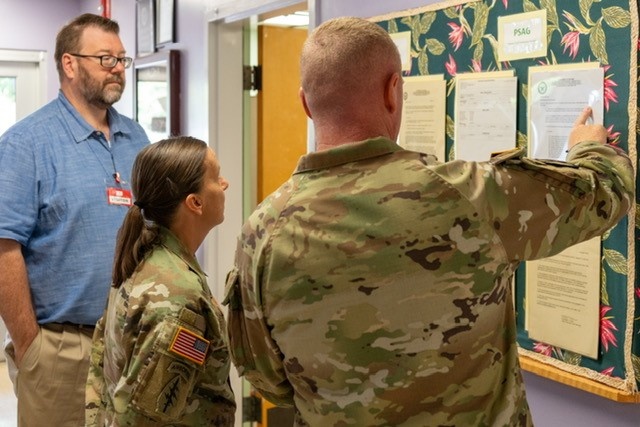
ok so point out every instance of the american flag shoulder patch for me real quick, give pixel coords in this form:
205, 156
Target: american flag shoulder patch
190, 345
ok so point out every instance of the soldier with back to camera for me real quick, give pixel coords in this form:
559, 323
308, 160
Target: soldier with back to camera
373, 287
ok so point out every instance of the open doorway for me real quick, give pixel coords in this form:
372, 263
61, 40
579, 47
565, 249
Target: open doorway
258, 136
281, 121
280, 127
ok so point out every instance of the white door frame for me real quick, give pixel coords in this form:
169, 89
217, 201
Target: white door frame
226, 20
225, 50
235, 10
226, 122
226, 127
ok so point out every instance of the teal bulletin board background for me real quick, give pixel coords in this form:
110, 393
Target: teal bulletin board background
455, 37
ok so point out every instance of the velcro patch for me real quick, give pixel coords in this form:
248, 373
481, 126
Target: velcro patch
192, 346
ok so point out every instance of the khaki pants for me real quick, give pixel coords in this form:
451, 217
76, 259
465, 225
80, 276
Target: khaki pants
50, 384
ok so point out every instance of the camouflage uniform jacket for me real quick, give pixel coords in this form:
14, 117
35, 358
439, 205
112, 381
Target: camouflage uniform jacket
373, 288
159, 353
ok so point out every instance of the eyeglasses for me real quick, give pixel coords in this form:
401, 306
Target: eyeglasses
108, 61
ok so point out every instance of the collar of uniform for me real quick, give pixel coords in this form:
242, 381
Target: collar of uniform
80, 129
171, 242
347, 153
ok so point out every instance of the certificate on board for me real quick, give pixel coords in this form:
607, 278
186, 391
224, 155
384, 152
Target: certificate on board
485, 121
557, 96
423, 115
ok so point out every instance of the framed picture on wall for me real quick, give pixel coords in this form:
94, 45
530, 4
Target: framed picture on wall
157, 94
145, 27
165, 22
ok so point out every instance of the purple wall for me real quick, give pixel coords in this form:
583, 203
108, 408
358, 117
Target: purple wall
191, 28
557, 405
123, 11
333, 8
191, 41
32, 25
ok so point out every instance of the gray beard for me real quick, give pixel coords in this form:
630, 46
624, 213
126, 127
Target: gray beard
98, 94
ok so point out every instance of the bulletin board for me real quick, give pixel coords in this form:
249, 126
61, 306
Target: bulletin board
462, 36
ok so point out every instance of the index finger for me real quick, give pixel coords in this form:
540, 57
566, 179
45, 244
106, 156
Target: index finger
583, 117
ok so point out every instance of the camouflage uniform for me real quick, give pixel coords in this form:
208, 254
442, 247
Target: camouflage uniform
373, 288
159, 353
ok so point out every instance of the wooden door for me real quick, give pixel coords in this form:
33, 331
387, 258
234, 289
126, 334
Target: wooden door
282, 123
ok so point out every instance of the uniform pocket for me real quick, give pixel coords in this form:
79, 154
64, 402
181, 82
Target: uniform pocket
239, 346
232, 291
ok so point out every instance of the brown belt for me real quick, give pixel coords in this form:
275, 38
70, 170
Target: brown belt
67, 326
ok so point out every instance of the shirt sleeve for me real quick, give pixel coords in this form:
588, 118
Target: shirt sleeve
254, 353
169, 368
162, 354
19, 179
540, 207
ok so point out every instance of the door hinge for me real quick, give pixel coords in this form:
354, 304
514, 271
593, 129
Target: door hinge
251, 409
252, 77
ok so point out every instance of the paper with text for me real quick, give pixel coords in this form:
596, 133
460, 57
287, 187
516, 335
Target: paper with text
557, 95
563, 298
485, 121
423, 115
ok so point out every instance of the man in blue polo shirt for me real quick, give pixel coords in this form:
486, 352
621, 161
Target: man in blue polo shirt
65, 190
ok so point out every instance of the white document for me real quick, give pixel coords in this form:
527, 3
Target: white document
563, 292
557, 96
423, 115
485, 108
563, 298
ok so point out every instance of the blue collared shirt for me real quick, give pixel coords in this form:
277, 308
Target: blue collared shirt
55, 170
